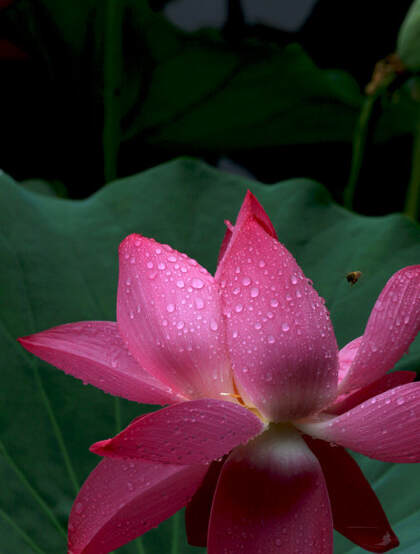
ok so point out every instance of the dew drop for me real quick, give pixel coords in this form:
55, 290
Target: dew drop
400, 401
180, 284
274, 303
213, 325
170, 308
180, 325
149, 265
294, 280
285, 327
246, 281
236, 290
271, 339
172, 259
161, 266
238, 308
254, 292
197, 284
261, 263
199, 304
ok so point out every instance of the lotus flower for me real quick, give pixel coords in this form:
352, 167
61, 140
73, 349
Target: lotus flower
261, 404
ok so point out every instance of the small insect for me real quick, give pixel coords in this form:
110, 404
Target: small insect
353, 277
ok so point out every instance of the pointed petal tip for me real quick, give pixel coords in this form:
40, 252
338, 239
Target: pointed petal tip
102, 448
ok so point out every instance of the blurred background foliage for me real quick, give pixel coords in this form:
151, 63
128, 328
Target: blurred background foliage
97, 89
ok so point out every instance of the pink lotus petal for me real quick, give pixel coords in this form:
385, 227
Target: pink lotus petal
357, 512
197, 431
225, 241
94, 352
169, 313
271, 497
250, 208
121, 500
197, 513
346, 356
392, 326
283, 349
346, 402
385, 427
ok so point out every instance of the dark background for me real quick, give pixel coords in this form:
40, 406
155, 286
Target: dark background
52, 91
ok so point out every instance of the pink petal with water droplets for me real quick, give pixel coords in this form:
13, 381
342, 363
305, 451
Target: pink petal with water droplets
346, 356
121, 500
250, 208
346, 402
271, 498
192, 432
356, 510
393, 324
169, 312
94, 352
282, 345
385, 427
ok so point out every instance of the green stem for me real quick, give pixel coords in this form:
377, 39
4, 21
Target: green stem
175, 533
360, 139
359, 145
112, 74
412, 201
139, 546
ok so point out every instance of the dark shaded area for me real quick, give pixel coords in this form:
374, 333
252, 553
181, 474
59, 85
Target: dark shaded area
52, 114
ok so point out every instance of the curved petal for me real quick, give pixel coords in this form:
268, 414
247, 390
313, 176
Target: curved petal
282, 345
346, 356
197, 512
385, 427
94, 352
392, 326
197, 431
271, 497
122, 500
357, 512
169, 313
346, 402
250, 208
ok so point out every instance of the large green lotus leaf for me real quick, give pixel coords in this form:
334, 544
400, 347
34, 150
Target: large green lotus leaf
59, 264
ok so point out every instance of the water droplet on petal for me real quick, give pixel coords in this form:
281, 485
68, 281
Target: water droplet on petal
238, 308
271, 339
261, 263
170, 308
285, 327
199, 304
274, 303
213, 325
294, 279
197, 283
246, 281
180, 284
254, 292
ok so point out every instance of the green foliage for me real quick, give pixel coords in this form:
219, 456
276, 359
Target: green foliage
59, 264
408, 44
